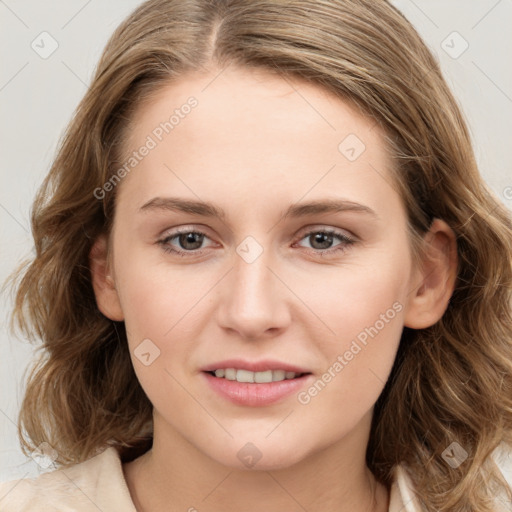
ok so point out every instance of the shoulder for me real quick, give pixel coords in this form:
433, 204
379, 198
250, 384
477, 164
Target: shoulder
503, 457
403, 498
95, 484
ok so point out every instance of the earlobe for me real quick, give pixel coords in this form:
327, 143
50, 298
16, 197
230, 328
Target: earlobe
103, 283
435, 280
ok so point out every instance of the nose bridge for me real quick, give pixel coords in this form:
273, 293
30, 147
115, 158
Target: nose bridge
253, 302
252, 276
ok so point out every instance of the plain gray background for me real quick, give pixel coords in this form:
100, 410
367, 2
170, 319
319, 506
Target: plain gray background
38, 96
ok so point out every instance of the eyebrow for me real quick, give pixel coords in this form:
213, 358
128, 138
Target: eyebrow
297, 210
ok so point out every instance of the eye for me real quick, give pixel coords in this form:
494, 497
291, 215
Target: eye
321, 241
188, 241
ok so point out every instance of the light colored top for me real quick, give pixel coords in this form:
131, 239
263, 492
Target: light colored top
99, 484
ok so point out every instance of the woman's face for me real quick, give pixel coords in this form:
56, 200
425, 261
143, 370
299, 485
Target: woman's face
263, 286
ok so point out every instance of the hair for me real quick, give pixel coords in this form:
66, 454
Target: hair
450, 382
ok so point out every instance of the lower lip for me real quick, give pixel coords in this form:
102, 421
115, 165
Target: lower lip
255, 395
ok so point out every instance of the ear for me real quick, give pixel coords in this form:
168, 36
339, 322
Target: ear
102, 282
434, 280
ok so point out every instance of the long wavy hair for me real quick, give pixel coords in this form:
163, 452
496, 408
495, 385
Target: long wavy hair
450, 382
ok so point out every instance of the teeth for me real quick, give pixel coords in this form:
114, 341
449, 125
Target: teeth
230, 374
258, 377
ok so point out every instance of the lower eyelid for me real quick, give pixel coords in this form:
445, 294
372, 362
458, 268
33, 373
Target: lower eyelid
344, 239
167, 239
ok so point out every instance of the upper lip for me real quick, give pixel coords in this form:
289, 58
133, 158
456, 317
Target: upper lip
254, 366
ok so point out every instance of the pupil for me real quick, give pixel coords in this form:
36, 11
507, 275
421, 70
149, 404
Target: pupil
192, 238
323, 239
318, 238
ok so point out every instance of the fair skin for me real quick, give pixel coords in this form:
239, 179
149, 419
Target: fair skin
254, 146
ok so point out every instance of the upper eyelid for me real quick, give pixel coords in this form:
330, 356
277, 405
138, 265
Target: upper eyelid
302, 233
305, 230
319, 228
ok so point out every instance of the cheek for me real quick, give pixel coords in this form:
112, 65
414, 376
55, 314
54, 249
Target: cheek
158, 304
357, 365
364, 291
155, 296
363, 307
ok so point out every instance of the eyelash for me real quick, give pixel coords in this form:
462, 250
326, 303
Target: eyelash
344, 239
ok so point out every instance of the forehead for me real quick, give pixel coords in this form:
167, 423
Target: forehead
249, 98
251, 132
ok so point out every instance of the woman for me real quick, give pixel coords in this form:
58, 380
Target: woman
337, 336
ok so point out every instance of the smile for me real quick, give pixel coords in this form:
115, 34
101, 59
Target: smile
253, 392
241, 375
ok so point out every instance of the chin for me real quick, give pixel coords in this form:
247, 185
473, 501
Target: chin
259, 455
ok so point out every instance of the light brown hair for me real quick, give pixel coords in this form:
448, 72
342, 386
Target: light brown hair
451, 382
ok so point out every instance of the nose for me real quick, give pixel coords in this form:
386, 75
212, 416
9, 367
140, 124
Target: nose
254, 300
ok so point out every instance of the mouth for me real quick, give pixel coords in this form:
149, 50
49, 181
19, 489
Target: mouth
255, 389
261, 377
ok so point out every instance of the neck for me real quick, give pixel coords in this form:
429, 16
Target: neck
175, 472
